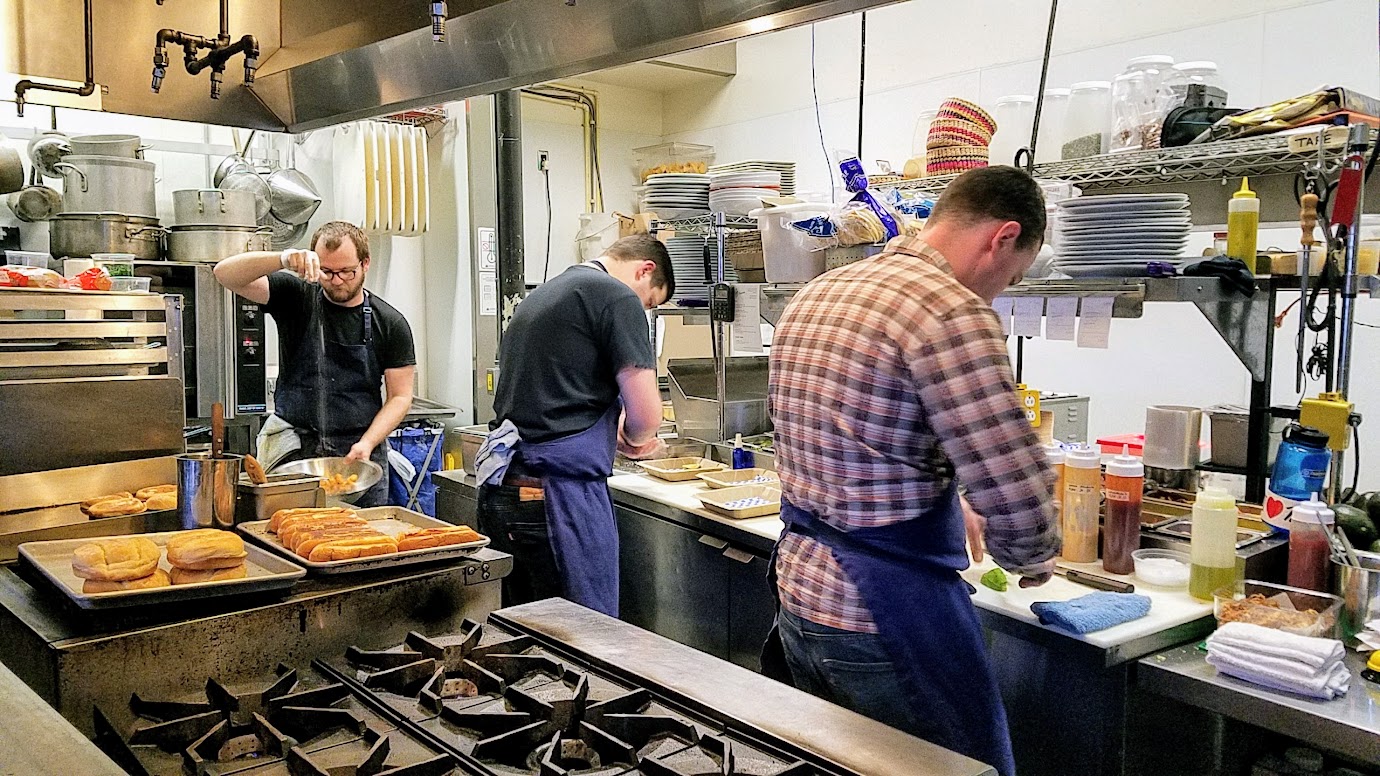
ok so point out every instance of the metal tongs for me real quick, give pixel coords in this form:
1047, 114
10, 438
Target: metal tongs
1342, 550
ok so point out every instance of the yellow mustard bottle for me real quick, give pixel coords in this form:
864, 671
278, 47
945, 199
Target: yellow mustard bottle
1243, 225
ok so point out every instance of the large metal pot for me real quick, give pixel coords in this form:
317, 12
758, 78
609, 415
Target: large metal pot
108, 184
207, 207
212, 243
78, 235
126, 146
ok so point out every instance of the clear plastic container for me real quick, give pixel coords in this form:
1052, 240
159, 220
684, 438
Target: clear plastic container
1141, 98
1310, 550
1213, 544
1290, 609
117, 264
1368, 251
1188, 73
671, 157
788, 254
922, 133
1161, 568
28, 258
1081, 505
130, 284
1053, 116
1015, 116
1085, 125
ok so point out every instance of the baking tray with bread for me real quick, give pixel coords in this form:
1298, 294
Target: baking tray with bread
138, 570
338, 540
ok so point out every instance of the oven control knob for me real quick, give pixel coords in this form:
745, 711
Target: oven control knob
469, 571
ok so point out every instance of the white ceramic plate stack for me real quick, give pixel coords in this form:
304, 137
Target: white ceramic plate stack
687, 260
1116, 235
676, 195
786, 170
740, 193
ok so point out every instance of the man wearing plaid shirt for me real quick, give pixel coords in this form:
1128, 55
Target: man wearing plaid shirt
890, 384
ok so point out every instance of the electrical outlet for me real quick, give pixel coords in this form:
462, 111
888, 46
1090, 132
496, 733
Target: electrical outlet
543, 160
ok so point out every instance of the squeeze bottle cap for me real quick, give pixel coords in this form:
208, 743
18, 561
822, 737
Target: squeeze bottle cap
1125, 465
1245, 192
1313, 511
1083, 458
1215, 498
1054, 454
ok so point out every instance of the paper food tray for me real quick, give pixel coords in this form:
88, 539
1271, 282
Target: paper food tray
673, 469
389, 520
732, 478
53, 560
727, 501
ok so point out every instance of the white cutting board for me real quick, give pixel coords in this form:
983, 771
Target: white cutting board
383, 172
408, 147
423, 181
398, 195
348, 182
371, 178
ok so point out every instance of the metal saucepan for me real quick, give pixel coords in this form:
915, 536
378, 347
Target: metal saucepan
293, 197
252, 182
214, 207
11, 169
34, 202
79, 235
232, 163
367, 473
126, 146
47, 149
210, 244
108, 184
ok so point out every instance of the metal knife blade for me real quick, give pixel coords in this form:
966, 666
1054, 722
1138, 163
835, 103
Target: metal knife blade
1094, 581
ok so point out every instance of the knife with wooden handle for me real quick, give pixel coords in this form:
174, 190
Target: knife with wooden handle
1094, 581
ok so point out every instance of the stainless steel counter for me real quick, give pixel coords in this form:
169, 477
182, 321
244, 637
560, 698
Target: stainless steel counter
73, 658
36, 739
850, 740
1349, 725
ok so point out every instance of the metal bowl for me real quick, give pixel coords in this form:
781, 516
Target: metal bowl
368, 472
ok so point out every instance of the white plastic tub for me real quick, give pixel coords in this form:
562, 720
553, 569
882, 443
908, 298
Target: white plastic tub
790, 255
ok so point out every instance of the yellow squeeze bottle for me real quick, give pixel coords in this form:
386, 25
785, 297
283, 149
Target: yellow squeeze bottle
1243, 224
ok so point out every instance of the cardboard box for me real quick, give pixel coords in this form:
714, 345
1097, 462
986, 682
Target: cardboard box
638, 223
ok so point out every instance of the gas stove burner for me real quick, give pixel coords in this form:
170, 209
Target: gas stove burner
283, 726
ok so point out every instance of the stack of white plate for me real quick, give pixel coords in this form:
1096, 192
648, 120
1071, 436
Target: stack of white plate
785, 169
676, 195
1117, 235
740, 193
687, 260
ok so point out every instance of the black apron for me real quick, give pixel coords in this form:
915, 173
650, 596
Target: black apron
331, 392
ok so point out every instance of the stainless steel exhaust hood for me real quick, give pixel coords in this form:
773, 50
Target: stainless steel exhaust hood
329, 61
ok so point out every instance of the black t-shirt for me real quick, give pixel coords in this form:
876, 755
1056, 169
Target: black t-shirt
563, 350
290, 303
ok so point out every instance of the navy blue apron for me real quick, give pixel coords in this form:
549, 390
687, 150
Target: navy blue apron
574, 472
332, 394
907, 575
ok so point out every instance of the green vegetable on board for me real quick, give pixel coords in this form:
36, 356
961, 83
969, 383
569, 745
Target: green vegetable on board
995, 579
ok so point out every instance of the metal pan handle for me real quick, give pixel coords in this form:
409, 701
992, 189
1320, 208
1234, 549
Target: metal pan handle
73, 168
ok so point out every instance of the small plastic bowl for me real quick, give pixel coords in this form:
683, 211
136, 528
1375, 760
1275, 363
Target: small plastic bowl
128, 284
1153, 569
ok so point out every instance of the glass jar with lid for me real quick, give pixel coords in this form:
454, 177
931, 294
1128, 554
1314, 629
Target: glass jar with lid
1140, 101
1053, 115
1015, 117
1085, 125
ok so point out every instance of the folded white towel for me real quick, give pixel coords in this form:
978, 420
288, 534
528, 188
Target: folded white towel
1324, 685
1308, 650
1282, 666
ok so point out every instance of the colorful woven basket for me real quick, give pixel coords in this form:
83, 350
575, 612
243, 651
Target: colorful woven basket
954, 108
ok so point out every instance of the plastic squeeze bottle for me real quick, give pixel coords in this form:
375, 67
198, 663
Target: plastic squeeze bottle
1310, 552
1054, 456
1082, 497
1121, 534
1243, 224
742, 457
1212, 550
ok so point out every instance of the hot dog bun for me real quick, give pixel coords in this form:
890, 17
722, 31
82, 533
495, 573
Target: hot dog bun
275, 523
161, 501
359, 547
144, 494
87, 504
436, 537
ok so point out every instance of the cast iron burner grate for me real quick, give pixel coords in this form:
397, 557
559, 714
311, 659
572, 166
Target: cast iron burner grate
281, 727
507, 706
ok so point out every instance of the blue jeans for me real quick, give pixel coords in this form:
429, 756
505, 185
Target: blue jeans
849, 669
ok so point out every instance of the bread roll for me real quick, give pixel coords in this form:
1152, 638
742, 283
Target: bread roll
114, 507
288, 534
206, 548
275, 522
116, 560
308, 541
190, 577
436, 537
144, 494
161, 501
85, 505
348, 549
159, 578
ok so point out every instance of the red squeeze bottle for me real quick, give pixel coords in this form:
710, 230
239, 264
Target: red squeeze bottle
1124, 483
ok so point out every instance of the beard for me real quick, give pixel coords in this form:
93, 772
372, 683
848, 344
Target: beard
342, 294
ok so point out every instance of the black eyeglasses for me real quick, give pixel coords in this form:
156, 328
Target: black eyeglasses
344, 274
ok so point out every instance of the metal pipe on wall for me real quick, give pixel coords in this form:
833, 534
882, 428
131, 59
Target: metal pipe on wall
512, 274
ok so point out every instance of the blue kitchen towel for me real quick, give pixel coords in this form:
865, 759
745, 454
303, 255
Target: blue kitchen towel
1092, 612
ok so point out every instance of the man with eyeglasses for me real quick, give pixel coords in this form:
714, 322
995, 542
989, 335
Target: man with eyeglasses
338, 344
